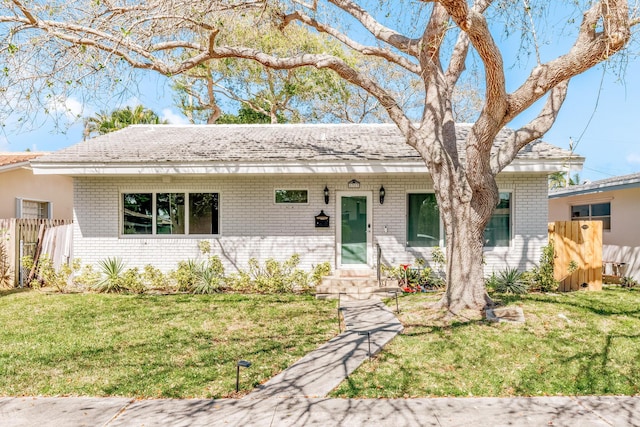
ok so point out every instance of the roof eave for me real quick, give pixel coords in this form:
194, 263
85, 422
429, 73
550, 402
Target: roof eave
223, 168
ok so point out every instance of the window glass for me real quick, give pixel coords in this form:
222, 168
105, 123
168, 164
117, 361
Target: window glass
292, 196
423, 223
170, 213
203, 213
34, 210
498, 230
581, 211
594, 212
138, 213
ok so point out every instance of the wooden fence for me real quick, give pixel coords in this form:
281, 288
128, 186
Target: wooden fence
578, 254
35, 238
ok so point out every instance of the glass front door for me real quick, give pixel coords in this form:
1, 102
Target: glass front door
355, 229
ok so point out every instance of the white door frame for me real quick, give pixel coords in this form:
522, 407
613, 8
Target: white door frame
369, 246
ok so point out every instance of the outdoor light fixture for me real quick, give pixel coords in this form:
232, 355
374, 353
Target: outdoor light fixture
326, 195
244, 364
382, 194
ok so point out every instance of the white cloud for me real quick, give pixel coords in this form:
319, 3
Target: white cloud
71, 108
633, 158
173, 118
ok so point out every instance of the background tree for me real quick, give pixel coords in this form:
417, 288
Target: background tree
103, 123
66, 45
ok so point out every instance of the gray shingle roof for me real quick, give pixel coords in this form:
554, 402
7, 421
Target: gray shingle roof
608, 184
259, 143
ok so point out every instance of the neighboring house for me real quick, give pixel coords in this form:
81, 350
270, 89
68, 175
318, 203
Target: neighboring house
613, 201
151, 194
25, 195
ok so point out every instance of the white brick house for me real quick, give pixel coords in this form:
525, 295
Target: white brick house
151, 193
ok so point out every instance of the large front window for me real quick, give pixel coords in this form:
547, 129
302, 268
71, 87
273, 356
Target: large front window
423, 221
170, 213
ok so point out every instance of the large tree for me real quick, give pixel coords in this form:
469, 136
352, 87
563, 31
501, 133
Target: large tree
430, 40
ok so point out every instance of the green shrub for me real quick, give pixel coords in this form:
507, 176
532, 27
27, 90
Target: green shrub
200, 277
87, 277
508, 281
186, 275
319, 271
274, 276
132, 281
112, 280
543, 274
210, 279
155, 279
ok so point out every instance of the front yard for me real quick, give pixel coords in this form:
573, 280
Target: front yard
187, 345
580, 343
152, 346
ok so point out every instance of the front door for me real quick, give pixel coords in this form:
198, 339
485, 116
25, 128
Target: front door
354, 229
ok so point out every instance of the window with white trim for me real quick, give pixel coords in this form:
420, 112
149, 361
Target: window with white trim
291, 196
498, 230
593, 212
33, 209
170, 213
423, 221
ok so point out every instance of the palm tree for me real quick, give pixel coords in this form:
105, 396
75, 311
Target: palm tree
559, 180
103, 122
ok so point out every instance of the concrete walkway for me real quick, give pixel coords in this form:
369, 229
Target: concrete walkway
369, 325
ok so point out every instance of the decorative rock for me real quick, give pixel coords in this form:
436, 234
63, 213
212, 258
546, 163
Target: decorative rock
505, 314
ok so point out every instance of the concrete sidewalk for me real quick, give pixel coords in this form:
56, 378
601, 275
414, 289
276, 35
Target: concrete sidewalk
591, 411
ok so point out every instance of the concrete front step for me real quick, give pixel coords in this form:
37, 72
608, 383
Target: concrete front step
350, 284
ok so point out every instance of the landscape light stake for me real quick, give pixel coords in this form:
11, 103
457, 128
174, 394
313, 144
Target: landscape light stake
368, 334
244, 364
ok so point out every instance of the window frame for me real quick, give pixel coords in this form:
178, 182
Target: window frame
20, 207
277, 203
592, 217
440, 224
512, 221
154, 213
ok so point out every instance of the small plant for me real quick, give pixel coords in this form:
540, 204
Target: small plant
112, 276
438, 258
509, 281
186, 275
628, 282
155, 279
132, 281
543, 274
319, 271
210, 279
204, 246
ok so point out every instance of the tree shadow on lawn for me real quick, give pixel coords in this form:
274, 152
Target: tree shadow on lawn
596, 375
595, 304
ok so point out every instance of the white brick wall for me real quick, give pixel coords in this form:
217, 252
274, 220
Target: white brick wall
252, 225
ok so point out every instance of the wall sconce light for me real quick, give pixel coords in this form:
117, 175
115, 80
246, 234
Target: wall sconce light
382, 194
326, 195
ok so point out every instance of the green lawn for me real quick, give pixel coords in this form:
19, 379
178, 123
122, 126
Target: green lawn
188, 345
572, 344
152, 346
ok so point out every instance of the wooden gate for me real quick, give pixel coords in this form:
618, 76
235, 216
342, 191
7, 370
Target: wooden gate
578, 254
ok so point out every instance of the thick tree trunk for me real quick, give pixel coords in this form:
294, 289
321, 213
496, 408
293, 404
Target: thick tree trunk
465, 276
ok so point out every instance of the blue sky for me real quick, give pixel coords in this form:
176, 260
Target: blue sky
601, 115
